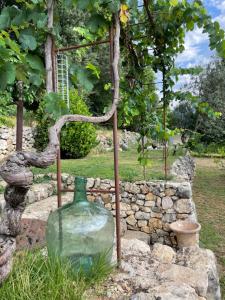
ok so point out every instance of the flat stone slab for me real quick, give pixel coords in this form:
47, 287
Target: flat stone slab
131, 234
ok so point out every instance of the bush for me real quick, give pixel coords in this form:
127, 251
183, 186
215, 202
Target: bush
77, 139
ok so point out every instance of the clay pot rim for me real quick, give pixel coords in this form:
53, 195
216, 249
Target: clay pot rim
174, 227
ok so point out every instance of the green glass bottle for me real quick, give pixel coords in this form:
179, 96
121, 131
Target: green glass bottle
80, 231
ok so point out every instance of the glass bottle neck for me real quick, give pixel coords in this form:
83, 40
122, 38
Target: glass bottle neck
80, 190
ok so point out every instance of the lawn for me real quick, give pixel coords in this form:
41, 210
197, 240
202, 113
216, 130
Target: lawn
209, 196
101, 165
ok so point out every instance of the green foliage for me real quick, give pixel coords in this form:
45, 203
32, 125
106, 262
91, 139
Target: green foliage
7, 109
77, 139
211, 90
54, 106
37, 277
22, 29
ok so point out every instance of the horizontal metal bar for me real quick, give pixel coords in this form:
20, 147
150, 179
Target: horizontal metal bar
81, 46
89, 191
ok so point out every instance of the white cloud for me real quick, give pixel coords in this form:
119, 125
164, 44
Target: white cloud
219, 4
194, 49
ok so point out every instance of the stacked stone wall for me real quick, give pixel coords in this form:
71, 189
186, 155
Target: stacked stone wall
8, 140
145, 206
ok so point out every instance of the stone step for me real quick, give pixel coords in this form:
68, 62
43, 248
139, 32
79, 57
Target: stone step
40, 210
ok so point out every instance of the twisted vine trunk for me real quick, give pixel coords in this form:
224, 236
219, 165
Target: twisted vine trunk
16, 170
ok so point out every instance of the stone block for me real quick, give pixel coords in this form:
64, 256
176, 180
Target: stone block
183, 206
184, 191
134, 207
145, 209
156, 215
150, 197
142, 223
170, 192
106, 198
131, 220
169, 218
146, 229
155, 223
167, 203
149, 203
140, 202
140, 215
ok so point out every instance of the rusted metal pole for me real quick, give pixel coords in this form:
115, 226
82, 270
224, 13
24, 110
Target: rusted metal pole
116, 159
58, 166
59, 180
117, 188
164, 125
70, 48
89, 191
19, 117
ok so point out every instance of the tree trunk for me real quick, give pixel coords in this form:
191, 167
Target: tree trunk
48, 48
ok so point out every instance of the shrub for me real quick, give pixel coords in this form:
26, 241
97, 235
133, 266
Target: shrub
77, 139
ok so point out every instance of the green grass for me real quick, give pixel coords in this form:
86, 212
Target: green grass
209, 196
101, 165
36, 277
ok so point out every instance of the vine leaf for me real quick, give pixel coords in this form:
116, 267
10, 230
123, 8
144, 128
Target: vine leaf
7, 75
174, 2
124, 14
27, 39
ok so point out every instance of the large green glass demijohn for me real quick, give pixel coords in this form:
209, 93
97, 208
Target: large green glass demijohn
80, 231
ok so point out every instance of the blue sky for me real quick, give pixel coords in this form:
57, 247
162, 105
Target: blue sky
197, 50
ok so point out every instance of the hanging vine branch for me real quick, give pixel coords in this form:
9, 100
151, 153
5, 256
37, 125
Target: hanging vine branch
16, 170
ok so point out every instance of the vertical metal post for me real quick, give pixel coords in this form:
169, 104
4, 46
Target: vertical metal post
59, 182
116, 158
19, 117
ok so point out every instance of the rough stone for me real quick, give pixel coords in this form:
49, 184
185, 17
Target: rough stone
184, 191
142, 215
150, 197
155, 223
146, 229
167, 203
149, 203
163, 253
131, 234
131, 220
134, 247
183, 206
184, 275
142, 223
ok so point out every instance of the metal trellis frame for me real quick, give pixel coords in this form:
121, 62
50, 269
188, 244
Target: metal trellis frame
60, 190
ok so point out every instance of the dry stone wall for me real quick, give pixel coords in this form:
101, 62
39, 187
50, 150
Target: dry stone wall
145, 206
8, 140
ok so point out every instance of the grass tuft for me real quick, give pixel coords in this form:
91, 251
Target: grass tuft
37, 277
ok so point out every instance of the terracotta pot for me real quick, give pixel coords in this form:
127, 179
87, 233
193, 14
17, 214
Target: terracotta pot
187, 233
